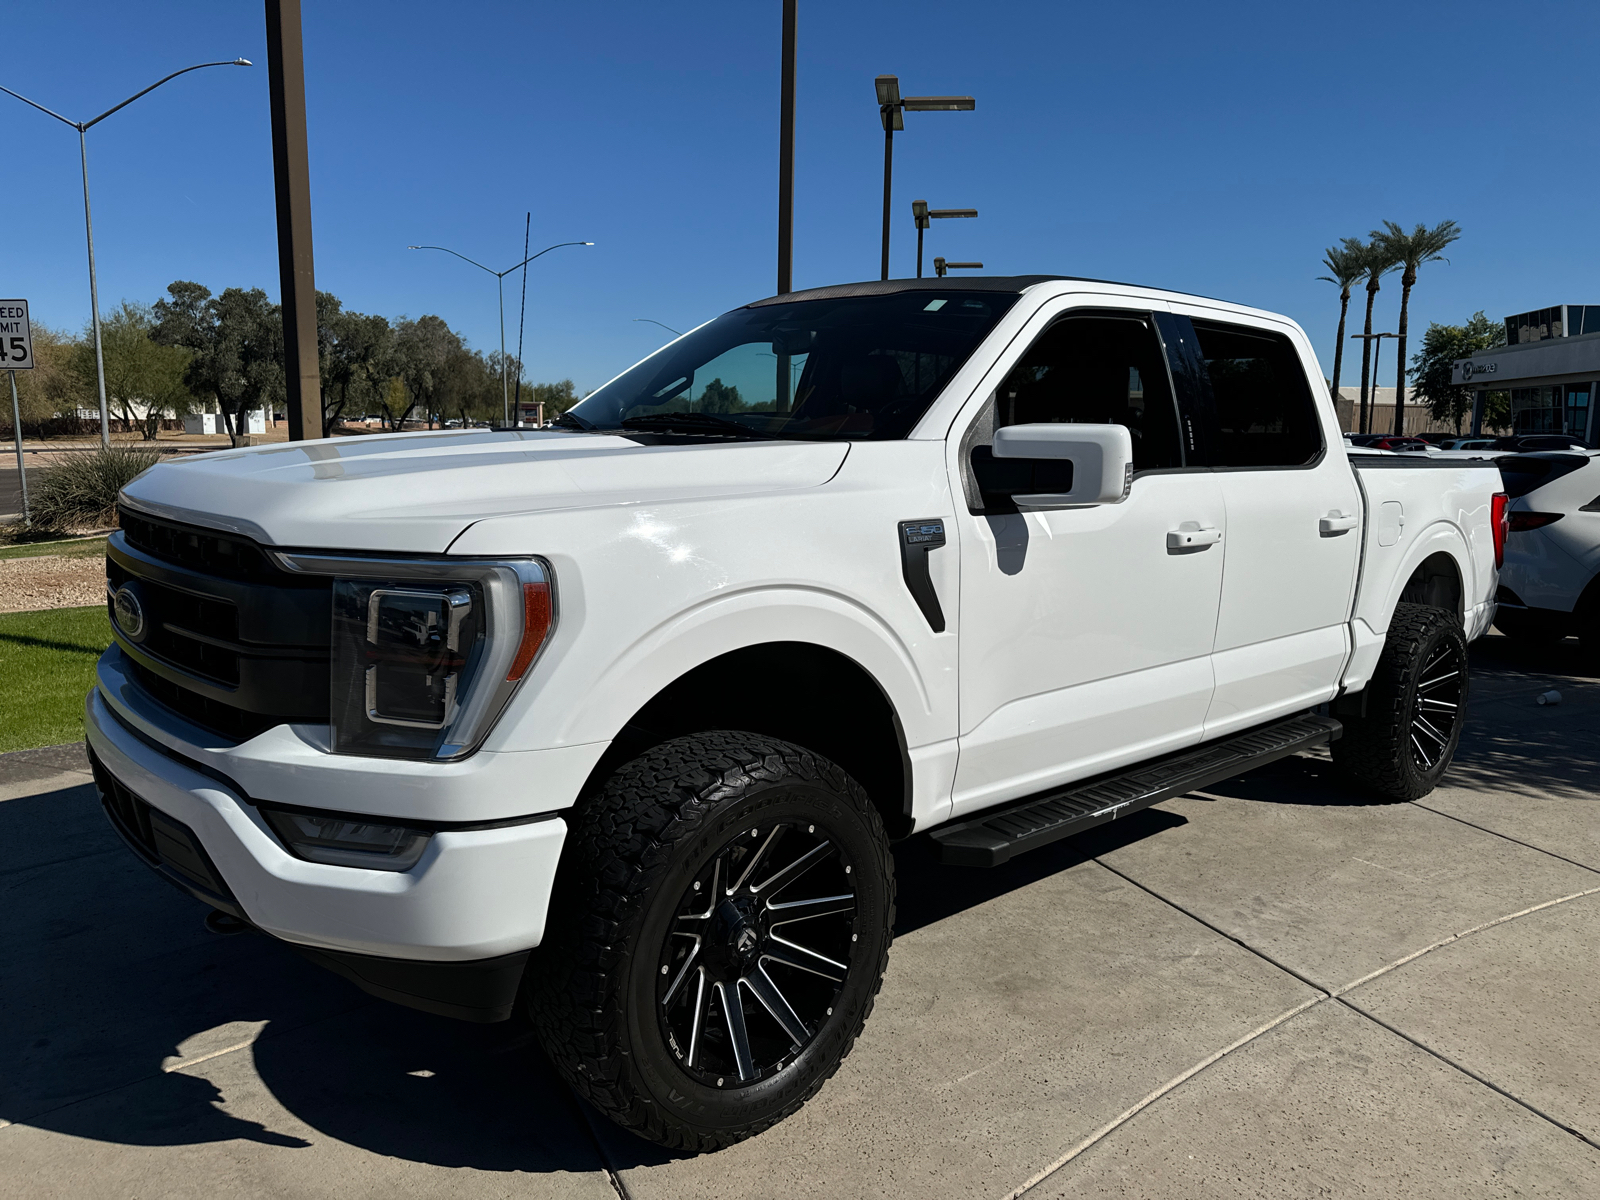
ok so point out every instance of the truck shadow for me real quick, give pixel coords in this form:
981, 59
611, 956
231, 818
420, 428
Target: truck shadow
111, 981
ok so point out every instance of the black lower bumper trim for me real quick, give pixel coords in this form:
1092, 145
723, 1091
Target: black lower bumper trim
483, 990
164, 844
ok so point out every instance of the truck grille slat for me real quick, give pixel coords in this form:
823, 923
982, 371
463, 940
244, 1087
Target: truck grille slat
233, 643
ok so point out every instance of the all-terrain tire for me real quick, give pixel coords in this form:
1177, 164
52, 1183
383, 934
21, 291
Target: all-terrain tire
1387, 750
631, 852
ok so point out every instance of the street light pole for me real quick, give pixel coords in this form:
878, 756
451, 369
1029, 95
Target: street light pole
925, 216
83, 128
1363, 423
500, 279
890, 107
786, 151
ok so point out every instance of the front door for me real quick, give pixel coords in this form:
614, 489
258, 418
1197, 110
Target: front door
1294, 516
1085, 639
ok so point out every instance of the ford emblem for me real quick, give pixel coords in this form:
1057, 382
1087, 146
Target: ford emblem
129, 612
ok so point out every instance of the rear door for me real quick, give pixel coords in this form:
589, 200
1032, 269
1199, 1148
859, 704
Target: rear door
1293, 515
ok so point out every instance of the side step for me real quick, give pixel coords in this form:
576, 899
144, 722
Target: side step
993, 837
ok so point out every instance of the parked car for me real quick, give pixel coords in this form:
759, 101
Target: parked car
1468, 443
616, 721
1523, 443
1548, 585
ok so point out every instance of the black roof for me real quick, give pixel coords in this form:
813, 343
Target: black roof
963, 283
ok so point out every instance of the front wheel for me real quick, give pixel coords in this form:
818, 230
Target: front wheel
1415, 705
719, 931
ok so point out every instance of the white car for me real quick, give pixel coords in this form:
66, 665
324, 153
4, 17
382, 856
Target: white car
616, 720
1548, 585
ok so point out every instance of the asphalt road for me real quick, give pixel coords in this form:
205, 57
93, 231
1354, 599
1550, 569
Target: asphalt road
1274, 988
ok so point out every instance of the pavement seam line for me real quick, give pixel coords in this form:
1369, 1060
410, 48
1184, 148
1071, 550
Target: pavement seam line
1470, 1074
200, 1058
1177, 1080
117, 1087
1504, 836
1326, 994
1455, 937
594, 1136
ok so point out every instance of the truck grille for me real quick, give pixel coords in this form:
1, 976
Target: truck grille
231, 642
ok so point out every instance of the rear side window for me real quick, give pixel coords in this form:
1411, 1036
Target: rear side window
1263, 414
1521, 474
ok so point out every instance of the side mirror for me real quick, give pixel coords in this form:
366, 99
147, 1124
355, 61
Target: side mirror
1101, 458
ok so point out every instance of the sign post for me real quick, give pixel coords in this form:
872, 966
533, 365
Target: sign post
16, 354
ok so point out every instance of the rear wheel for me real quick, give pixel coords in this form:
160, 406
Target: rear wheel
718, 935
1414, 709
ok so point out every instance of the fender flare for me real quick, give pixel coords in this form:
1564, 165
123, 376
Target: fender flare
736, 621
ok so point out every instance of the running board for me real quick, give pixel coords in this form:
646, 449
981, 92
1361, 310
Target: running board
993, 837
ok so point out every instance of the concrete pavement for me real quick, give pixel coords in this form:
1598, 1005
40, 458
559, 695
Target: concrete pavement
1273, 988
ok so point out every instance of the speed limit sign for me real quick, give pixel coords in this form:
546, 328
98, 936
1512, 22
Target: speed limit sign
16, 337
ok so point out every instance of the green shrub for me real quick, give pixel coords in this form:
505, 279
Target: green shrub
79, 491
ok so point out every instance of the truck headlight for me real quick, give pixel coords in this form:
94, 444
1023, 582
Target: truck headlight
427, 652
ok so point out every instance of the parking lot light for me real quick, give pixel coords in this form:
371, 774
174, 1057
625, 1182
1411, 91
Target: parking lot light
891, 106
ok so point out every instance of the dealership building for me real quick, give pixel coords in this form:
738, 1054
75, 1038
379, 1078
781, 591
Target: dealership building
1551, 367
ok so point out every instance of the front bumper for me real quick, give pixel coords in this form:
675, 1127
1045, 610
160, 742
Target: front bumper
475, 895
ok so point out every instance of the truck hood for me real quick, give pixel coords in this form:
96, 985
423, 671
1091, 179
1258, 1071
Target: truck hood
416, 492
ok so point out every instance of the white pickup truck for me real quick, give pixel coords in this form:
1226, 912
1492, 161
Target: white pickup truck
614, 723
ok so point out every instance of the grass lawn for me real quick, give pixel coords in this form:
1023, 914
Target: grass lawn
74, 548
46, 669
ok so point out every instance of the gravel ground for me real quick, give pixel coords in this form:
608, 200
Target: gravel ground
51, 581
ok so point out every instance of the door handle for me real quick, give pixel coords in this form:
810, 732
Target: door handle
1336, 522
1192, 535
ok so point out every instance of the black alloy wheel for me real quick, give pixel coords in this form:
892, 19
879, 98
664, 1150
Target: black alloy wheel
717, 936
759, 948
1403, 743
1436, 704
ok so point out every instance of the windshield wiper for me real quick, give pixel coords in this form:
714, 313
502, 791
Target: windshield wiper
693, 422
573, 421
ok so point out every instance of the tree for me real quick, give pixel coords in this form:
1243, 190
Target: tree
55, 387
144, 378
469, 387
422, 349
1346, 266
720, 397
237, 344
1410, 251
1376, 262
359, 364
1443, 345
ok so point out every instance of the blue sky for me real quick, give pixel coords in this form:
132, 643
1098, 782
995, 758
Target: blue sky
1214, 148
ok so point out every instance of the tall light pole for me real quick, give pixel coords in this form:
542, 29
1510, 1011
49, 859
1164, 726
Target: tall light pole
1363, 424
83, 128
890, 107
786, 151
925, 216
500, 279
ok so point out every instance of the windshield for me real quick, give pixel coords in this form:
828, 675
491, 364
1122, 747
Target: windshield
856, 367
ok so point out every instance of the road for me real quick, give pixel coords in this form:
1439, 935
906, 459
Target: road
1275, 988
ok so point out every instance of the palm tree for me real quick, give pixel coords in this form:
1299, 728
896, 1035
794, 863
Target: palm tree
1376, 261
1410, 251
1345, 268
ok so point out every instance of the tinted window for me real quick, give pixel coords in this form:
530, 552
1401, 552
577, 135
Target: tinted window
1263, 415
855, 367
1522, 475
1097, 370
